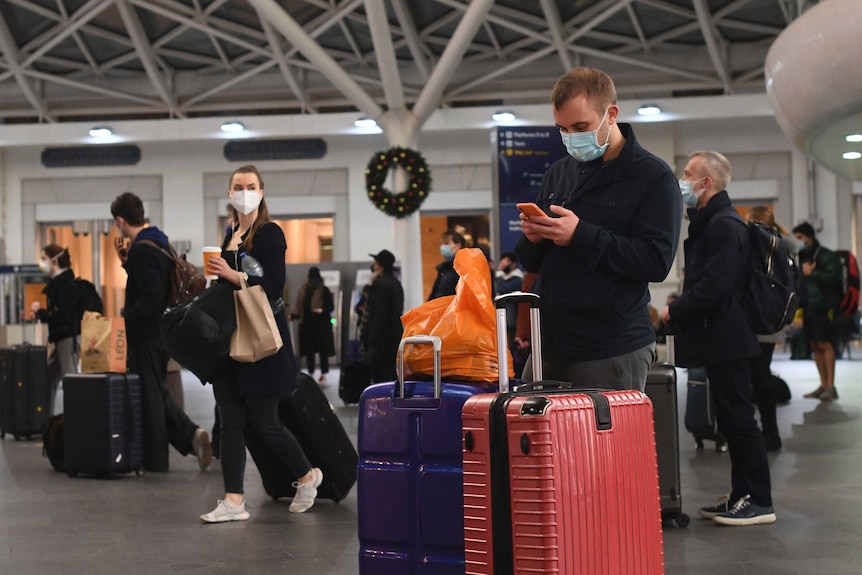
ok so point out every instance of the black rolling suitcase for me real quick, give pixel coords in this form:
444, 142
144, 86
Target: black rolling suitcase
700, 410
25, 393
102, 424
355, 377
661, 389
308, 415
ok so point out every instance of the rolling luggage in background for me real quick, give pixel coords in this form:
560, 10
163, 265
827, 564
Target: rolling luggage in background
102, 424
25, 393
410, 507
307, 413
560, 480
700, 411
661, 389
355, 377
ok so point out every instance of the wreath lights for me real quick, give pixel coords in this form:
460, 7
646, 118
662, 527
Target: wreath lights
401, 204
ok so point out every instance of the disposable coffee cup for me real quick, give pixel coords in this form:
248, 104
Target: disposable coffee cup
210, 252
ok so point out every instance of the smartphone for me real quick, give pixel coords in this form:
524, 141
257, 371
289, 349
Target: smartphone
531, 209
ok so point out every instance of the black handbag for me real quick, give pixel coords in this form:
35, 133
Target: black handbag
197, 333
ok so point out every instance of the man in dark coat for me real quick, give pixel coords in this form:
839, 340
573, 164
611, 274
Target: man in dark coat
612, 226
383, 329
147, 286
712, 330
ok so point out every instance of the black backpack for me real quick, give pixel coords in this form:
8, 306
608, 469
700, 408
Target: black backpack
771, 295
849, 304
52, 442
88, 298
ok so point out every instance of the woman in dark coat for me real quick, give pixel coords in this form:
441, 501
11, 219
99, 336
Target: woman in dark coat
61, 316
249, 392
314, 305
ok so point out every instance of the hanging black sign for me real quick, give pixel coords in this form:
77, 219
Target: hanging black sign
87, 156
256, 150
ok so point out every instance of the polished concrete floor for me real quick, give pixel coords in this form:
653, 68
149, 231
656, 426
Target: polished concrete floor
50, 523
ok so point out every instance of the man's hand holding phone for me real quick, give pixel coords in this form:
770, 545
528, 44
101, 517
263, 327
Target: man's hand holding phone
538, 226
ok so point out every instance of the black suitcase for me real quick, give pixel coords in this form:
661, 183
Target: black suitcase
700, 410
308, 415
102, 424
355, 377
25, 393
661, 389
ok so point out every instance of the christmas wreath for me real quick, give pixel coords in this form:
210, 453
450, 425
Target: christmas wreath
404, 203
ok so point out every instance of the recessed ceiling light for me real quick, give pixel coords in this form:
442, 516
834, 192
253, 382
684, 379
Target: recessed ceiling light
100, 131
364, 122
851, 155
854, 138
232, 127
649, 110
503, 116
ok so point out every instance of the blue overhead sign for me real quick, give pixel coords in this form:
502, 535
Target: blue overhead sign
523, 156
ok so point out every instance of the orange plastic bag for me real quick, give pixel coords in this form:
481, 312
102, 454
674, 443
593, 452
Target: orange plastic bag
466, 323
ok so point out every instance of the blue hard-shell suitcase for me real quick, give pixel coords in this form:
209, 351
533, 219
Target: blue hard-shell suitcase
409, 484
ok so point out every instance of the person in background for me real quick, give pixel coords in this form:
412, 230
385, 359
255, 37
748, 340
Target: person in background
821, 292
712, 330
761, 365
447, 277
249, 392
523, 343
382, 329
314, 306
61, 316
611, 226
661, 329
147, 286
509, 278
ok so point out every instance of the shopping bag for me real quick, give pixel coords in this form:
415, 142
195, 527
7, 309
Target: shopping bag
256, 335
466, 323
197, 333
103, 343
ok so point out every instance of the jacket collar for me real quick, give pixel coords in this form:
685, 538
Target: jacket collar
701, 217
619, 168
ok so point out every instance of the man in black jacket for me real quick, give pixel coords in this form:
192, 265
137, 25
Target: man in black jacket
147, 287
614, 215
382, 328
712, 330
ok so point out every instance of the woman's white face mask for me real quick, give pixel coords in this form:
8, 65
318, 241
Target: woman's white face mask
245, 201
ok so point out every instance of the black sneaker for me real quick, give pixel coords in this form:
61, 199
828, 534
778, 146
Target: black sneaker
744, 512
722, 505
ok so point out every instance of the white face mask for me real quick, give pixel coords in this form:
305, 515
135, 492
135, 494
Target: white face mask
245, 201
45, 266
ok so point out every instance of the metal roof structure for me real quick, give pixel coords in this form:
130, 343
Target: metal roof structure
84, 60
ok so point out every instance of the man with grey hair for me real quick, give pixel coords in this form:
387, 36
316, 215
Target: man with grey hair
713, 331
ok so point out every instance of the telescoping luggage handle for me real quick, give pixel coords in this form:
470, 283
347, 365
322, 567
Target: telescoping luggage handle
415, 340
503, 335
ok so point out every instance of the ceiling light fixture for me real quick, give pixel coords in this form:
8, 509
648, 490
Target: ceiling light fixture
366, 123
503, 116
649, 110
232, 126
854, 138
851, 155
100, 131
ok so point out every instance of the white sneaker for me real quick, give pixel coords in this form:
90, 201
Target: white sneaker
226, 511
306, 492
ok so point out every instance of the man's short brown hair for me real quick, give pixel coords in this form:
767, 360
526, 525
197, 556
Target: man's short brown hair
596, 85
129, 207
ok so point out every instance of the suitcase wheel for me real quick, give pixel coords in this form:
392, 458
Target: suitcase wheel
139, 472
682, 520
2, 435
71, 473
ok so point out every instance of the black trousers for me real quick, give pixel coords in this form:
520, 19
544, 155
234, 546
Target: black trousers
761, 380
262, 414
383, 371
164, 422
749, 466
